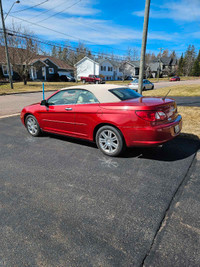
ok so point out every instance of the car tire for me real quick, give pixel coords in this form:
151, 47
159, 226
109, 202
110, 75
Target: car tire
110, 141
32, 126
144, 88
152, 87
84, 81
97, 82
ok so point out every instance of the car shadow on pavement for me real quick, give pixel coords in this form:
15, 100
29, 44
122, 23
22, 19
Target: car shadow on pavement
179, 148
71, 140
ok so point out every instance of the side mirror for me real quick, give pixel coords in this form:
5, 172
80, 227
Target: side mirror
44, 103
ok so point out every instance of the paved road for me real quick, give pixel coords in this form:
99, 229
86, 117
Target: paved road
168, 84
63, 203
190, 101
10, 104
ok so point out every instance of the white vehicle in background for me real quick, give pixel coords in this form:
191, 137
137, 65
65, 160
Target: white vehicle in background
147, 85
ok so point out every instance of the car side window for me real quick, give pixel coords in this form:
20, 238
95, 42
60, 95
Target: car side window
64, 97
86, 97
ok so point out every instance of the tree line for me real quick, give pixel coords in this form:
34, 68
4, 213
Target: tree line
189, 62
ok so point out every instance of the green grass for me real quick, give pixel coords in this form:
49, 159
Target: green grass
176, 90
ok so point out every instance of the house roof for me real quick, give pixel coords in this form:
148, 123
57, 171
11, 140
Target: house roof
166, 61
14, 53
17, 52
59, 63
86, 57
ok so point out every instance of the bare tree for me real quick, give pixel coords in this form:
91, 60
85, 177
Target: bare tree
22, 51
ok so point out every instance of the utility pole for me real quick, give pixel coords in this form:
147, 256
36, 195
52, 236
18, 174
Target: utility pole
144, 44
6, 46
158, 72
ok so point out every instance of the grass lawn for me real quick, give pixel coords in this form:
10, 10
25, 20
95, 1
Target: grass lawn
191, 122
34, 86
176, 90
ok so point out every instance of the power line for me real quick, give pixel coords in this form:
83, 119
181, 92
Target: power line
46, 11
75, 38
59, 12
74, 49
30, 7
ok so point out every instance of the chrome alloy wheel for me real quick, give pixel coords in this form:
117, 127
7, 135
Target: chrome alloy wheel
108, 141
32, 125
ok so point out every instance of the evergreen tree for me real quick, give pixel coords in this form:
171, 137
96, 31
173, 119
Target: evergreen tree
196, 67
189, 59
181, 66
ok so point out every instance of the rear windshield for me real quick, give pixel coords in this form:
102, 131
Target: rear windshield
125, 93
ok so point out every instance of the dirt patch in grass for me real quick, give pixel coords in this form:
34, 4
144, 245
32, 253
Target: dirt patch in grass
176, 90
191, 121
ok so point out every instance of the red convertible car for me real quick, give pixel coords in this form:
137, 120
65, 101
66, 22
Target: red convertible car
110, 115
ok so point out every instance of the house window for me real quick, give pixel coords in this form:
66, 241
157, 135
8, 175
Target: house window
101, 68
104, 68
51, 70
5, 70
108, 68
111, 68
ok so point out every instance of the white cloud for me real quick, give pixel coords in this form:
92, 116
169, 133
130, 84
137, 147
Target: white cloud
100, 32
182, 10
73, 7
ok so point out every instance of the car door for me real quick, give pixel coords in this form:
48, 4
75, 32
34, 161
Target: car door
87, 113
59, 115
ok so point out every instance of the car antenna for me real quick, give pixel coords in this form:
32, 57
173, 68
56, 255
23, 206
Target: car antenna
166, 95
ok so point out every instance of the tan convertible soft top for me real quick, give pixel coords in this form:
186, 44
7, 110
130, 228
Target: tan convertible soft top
101, 91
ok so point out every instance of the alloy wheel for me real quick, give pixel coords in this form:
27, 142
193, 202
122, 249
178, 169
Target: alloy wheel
108, 141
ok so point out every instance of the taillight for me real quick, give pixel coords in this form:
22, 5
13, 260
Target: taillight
130, 84
149, 115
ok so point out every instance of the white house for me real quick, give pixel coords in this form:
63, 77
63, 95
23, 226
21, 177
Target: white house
108, 68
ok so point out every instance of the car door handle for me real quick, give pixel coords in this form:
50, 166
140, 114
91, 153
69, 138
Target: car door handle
68, 109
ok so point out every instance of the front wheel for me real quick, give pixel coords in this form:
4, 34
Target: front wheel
97, 82
32, 126
110, 141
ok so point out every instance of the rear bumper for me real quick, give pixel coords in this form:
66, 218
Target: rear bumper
154, 135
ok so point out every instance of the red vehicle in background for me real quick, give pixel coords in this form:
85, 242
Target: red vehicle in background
175, 78
92, 79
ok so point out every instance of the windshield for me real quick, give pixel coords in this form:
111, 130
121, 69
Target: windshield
135, 81
125, 93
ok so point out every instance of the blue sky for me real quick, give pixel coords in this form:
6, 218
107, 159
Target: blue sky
111, 25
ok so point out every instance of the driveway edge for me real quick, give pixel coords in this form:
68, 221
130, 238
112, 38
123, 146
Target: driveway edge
177, 194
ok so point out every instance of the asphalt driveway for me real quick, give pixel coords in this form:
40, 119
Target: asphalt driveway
63, 203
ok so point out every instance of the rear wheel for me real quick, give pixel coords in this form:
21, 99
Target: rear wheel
84, 81
110, 141
32, 126
144, 88
97, 82
152, 87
